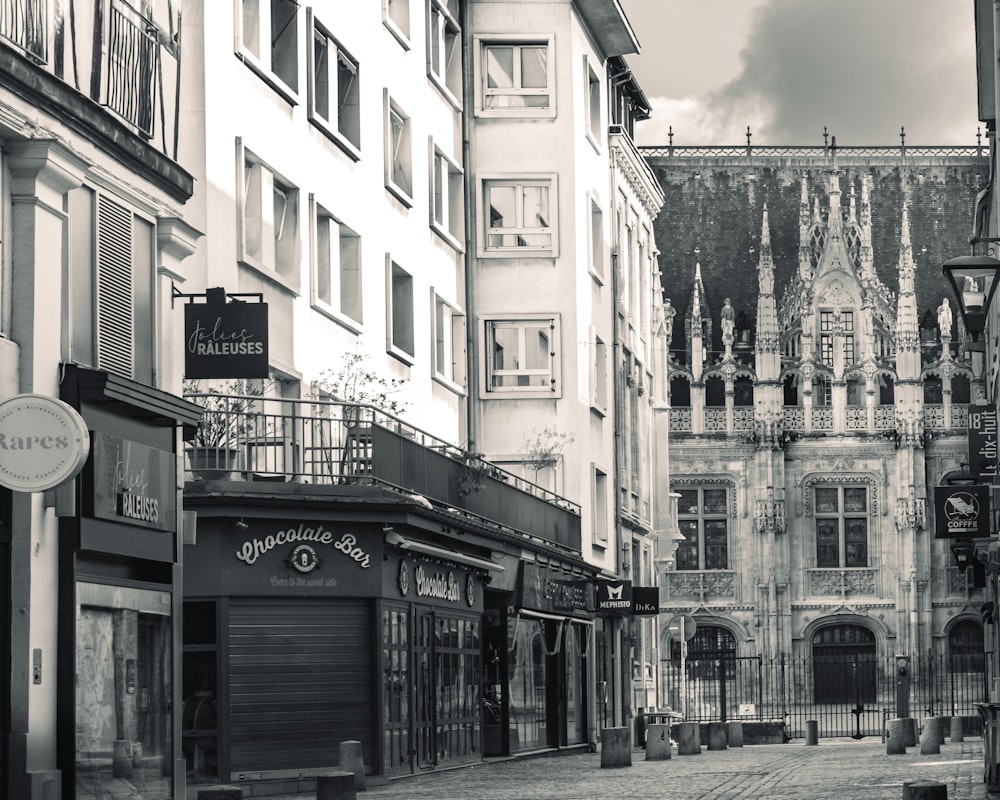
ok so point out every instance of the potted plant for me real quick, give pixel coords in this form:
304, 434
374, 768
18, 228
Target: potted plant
215, 449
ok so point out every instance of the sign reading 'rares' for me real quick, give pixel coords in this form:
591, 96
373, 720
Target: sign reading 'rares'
43, 442
962, 512
225, 340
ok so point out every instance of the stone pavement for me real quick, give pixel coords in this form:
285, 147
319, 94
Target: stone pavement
841, 769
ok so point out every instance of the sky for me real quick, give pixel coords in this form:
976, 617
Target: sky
862, 69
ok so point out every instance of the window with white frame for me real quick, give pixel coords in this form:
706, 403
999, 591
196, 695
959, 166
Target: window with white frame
595, 254
449, 341
599, 490
519, 215
514, 78
522, 355
444, 46
398, 151
334, 93
841, 526
268, 218
337, 266
399, 316
592, 103
703, 519
267, 39
831, 323
396, 15
599, 374
448, 213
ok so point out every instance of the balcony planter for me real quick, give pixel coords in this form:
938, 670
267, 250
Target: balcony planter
212, 463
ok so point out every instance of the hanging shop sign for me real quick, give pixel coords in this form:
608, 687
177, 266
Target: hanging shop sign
614, 597
44, 442
645, 600
962, 511
133, 483
225, 340
982, 439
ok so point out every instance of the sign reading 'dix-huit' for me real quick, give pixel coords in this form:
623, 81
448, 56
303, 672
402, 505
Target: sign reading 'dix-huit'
225, 340
43, 443
982, 439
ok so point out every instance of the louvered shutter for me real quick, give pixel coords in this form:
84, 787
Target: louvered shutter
115, 310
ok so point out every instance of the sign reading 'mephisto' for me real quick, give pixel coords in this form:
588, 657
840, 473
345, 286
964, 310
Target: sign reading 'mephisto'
43, 443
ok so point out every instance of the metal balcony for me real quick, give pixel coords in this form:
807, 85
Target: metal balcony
324, 443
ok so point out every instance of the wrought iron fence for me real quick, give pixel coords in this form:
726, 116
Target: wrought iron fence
23, 24
848, 695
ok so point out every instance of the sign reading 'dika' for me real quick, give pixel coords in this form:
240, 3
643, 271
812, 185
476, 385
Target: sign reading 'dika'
982, 439
225, 340
133, 483
614, 597
645, 600
43, 442
961, 512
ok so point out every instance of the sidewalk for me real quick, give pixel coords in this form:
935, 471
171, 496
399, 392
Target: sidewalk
835, 769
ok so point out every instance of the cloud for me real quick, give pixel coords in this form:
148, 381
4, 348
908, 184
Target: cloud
859, 68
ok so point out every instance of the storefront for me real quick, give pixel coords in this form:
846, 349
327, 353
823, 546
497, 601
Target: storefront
538, 661
301, 634
119, 578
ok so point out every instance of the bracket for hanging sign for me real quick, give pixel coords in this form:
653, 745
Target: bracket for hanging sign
216, 296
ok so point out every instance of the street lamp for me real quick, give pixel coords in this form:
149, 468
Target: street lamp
973, 282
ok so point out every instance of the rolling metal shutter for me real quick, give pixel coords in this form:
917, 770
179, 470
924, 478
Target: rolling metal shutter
300, 682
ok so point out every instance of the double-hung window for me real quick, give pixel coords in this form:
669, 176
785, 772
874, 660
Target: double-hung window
444, 47
447, 186
334, 93
519, 214
398, 152
267, 40
703, 518
522, 355
515, 78
336, 267
268, 218
841, 526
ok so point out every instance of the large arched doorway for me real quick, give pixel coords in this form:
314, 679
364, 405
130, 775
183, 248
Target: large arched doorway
844, 665
967, 681
705, 683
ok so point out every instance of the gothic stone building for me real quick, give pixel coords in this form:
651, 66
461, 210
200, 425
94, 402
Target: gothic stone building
818, 393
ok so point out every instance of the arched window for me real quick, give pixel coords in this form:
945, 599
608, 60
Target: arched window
966, 651
933, 393
790, 390
715, 393
844, 665
886, 391
961, 390
855, 392
680, 393
709, 641
743, 391
822, 390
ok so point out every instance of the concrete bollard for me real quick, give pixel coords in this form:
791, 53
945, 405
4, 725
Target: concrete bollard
735, 733
930, 737
957, 732
912, 731
717, 738
221, 793
688, 739
895, 743
944, 725
925, 790
657, 742
336, 786
616, 748
812, 731
351, 760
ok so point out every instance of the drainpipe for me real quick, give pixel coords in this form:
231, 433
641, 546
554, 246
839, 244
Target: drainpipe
473, 417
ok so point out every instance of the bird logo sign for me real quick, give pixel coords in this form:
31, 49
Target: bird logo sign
962, 512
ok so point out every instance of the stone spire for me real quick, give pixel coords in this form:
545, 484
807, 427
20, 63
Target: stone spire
767, 314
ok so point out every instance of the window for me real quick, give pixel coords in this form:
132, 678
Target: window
337, 266
448, 217
595, 255
449, 341
396, 15
521, 355
267, 40
334, 94
514, 78
703, 517
520, 216
398, 152
830, 322
400, 311
600, 505
444, 47
111, 265
592, 103
841, 526
269, 218
599, 375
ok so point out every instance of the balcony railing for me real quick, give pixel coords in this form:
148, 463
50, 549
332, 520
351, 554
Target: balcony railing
129, 87
23, 24
326, 443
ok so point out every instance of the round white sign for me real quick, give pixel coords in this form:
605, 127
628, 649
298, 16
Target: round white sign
43, 442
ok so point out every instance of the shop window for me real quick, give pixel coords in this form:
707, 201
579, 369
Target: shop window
199, 723
334, 90
267, 40
123, 691
703, 518
841, 526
